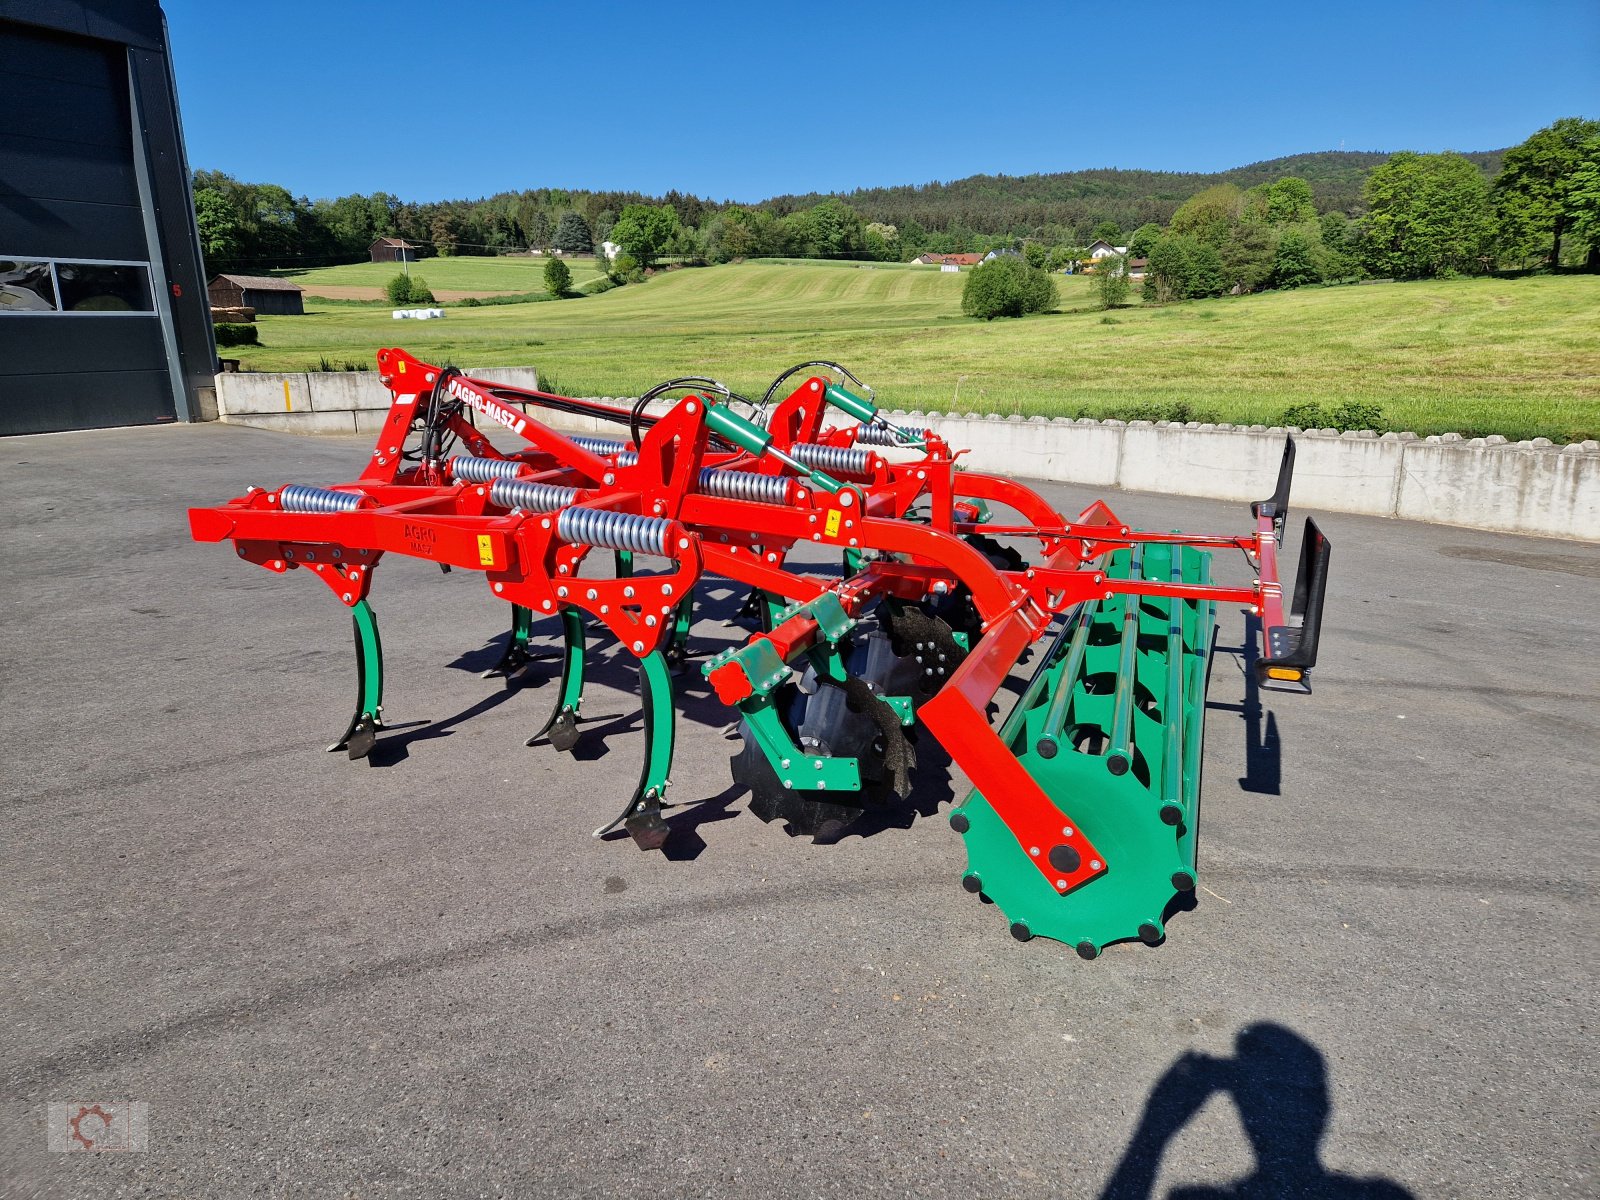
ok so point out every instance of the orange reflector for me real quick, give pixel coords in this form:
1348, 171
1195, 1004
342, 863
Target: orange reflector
1283, 673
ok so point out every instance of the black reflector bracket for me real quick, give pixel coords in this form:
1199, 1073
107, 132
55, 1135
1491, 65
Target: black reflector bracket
1276, 505
1291, 650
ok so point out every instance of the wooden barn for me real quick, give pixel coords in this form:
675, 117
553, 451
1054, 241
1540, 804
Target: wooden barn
260, 292
388, 249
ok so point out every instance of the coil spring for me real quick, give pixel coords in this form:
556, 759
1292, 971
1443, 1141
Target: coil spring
481, 470
530, 496
614, 530
606, 448
744, 485
298, 498
884, 435
835, 460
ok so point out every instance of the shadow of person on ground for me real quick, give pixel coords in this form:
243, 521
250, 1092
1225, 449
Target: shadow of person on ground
1278, 1081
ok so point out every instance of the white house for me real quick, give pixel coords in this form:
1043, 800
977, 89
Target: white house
1100, 249
610, 250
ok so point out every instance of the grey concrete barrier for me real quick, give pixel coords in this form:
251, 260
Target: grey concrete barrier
1519, 488
1530, 487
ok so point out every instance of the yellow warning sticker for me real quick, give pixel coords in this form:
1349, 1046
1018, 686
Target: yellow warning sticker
832, 526
402, 366
485, 550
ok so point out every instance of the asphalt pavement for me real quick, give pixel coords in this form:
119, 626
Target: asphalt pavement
421, 976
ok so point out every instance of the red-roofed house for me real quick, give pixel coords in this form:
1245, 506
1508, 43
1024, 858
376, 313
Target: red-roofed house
948, 260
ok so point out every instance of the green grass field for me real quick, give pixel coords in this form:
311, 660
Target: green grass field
484, 276
1517, 357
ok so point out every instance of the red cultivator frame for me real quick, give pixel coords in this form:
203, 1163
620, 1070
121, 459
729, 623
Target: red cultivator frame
1081, 822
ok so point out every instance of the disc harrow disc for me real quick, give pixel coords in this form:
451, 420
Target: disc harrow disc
927, 646
830, 721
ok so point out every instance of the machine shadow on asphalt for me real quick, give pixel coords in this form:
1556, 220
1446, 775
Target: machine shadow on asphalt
1263, 746
1278, 1082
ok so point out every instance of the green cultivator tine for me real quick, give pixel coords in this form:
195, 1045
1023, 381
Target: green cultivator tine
642, 814
562, 725
1109, 727
516, 653
359, 738
677, 651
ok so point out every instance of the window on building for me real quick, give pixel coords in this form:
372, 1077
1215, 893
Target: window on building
26, 286
36, 285
97, 287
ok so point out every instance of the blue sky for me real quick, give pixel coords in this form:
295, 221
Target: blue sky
464, 98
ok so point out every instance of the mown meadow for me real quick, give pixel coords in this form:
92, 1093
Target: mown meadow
1519, 357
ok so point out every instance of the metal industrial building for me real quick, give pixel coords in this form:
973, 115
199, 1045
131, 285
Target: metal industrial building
103, 311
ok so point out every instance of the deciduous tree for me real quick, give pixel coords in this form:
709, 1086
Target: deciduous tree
1533, 192
882, 241
1107, 231
1143, 239
1166, 277
221, 231
1427, 214
1295, 263
644, 231
1007, 287
832, 229
1285, 202
1245, 258
1209, 215
1110, 283
1583, 198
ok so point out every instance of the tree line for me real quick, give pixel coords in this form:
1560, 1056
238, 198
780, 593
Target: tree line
1283, 223
1421, 216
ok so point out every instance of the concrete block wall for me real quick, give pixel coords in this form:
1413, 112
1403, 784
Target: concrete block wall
1530, 487
324, 401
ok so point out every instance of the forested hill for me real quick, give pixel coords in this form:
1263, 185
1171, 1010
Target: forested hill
253, 227
1131, 198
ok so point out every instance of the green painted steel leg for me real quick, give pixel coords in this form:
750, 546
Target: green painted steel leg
516, 653
642, 814
677, 651
751, 609
359, 738
562, 725
789, 762
624, 564
772, 609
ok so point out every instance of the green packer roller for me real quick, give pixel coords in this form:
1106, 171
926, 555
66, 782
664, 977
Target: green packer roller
1110, 726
